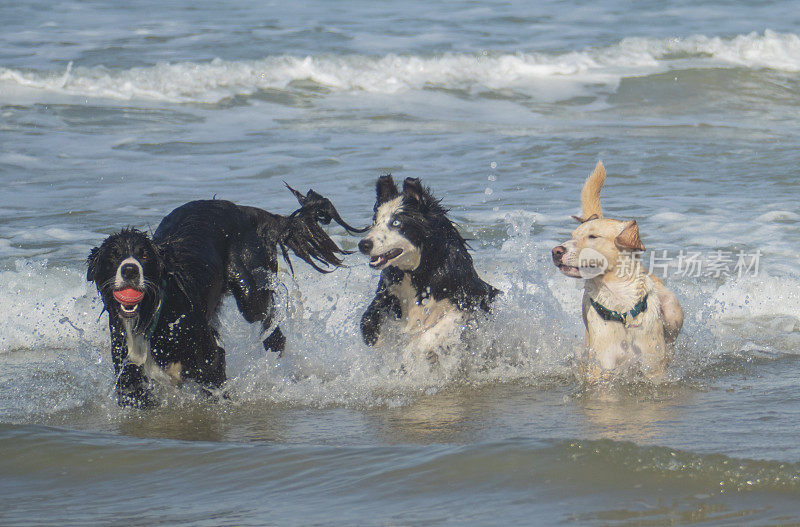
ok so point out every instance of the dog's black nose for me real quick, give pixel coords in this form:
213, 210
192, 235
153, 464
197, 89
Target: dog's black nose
365, 246
129, 272
558, 253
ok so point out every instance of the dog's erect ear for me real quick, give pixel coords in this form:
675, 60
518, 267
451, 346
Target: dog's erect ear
629, 239
386, 189
92, 260
590, 195
412, 188
582, 220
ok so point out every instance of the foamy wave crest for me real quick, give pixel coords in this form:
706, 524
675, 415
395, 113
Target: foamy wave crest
523, 72
777, 51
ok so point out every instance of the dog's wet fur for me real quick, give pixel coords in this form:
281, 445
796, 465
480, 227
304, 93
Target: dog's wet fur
201, 251
642, 342
428, 280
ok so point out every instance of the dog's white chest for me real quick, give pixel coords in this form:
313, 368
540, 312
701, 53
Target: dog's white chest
430, 323
613, 345
139, 354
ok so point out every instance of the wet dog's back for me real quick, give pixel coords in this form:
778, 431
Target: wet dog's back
200, 236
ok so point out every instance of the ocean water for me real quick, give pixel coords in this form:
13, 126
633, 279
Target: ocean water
112, 114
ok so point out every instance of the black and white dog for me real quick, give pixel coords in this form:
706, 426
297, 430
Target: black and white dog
162, 294
428, 281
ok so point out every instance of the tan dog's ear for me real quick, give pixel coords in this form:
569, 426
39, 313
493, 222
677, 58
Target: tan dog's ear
590, 195
590, 218
629, 239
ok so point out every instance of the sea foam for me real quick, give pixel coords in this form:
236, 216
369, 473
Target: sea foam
211, 82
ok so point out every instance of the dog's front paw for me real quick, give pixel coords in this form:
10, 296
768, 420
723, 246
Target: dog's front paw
132, 389
276, 342
140, 398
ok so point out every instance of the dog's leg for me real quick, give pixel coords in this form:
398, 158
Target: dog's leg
371, 322
214, 368
208, 369
251, 289
132, 388
276, 342
671, 311
250, 281
379, 309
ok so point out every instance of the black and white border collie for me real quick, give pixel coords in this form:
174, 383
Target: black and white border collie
162, 294
428, 281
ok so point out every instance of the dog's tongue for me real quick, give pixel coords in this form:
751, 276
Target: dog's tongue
128, 297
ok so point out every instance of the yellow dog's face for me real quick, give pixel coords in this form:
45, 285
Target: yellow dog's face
596, 246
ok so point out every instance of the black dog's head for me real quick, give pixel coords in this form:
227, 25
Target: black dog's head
128, 269
403, 224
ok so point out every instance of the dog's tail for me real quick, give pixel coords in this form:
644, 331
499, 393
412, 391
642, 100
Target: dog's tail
590, 195
304, 236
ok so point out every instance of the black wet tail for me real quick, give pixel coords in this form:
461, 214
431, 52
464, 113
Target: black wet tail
304, 236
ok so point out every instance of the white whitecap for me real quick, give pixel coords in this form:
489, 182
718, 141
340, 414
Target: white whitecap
536, 75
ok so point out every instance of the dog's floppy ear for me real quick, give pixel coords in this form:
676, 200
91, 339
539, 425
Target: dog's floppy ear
412, 188
629, 239
93, 261
386, 189
590, 195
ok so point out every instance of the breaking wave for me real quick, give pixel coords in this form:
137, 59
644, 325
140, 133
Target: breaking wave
522, 73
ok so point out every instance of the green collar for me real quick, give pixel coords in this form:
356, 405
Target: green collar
609, 314
151, 329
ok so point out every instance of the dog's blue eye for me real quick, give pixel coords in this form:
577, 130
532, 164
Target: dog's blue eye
396, 223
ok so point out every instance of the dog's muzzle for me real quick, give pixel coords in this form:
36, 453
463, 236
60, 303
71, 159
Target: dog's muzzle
379, 260
558, 259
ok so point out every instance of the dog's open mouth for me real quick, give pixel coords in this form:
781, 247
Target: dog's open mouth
128, 300
383, 259
570, 270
